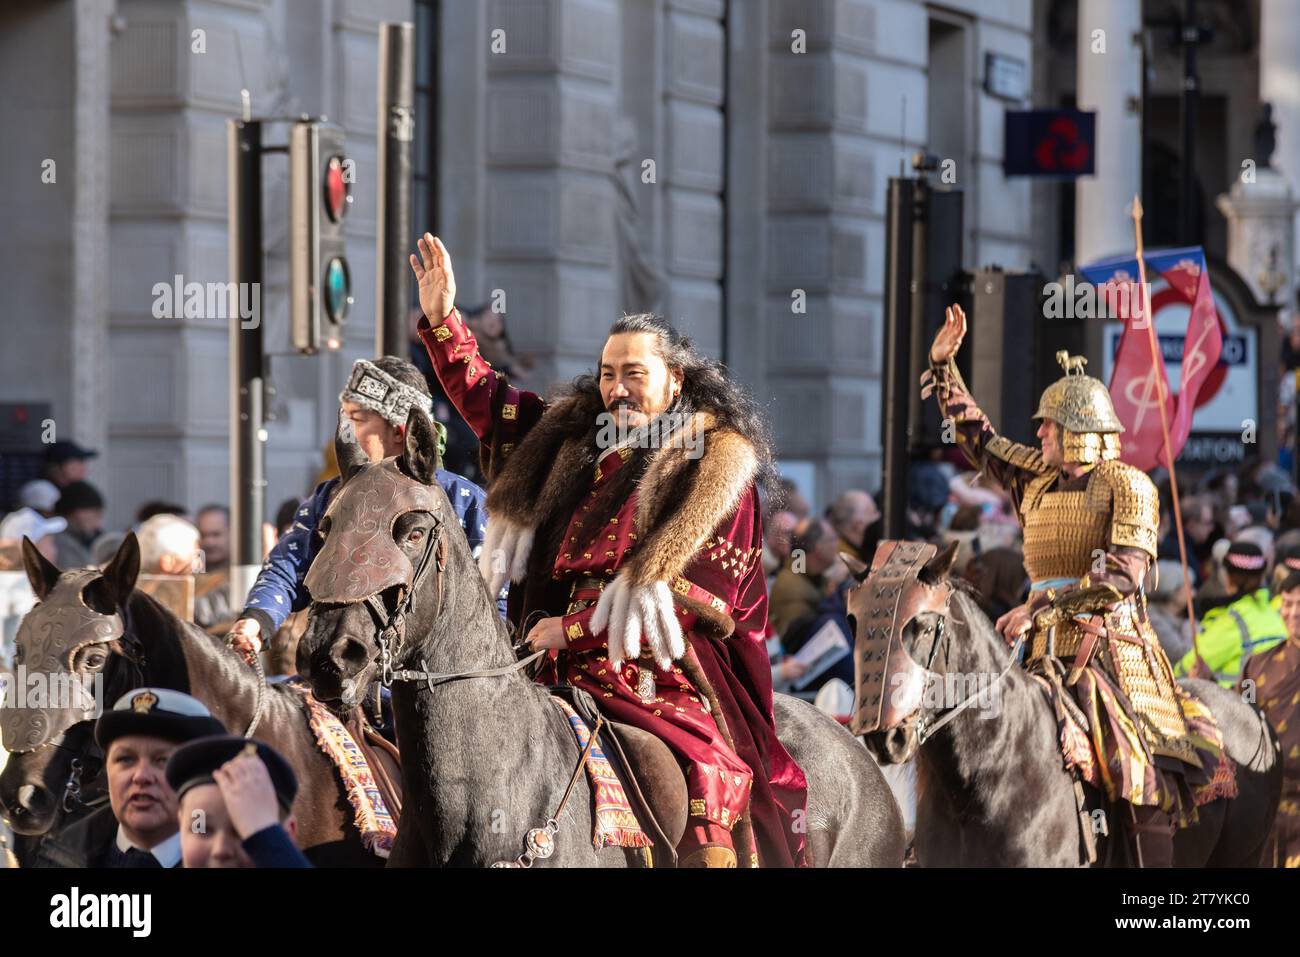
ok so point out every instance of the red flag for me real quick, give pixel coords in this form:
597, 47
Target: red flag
1201, 347
1139, 382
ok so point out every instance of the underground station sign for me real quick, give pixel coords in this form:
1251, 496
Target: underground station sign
1050, 143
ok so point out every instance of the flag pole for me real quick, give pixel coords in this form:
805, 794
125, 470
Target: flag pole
1156, 358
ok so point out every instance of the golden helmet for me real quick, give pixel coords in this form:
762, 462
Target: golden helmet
1077, 402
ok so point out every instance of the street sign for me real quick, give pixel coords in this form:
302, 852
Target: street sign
1049, 143
1005, 76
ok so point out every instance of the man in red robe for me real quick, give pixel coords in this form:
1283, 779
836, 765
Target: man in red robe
626, 512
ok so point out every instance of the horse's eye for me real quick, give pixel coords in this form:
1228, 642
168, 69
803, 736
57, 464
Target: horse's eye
415, 535
96, 659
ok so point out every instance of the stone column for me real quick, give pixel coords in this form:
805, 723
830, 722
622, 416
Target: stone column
1111, 84
547, 220
1261, 233
90, 225
1279, 84
824, 244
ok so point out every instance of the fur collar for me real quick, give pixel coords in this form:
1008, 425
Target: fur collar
685, 489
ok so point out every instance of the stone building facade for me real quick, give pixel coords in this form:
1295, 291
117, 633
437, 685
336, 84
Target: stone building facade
723, 162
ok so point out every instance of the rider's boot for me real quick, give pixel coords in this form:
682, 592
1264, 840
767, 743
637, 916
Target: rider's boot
706, 845
1152, 833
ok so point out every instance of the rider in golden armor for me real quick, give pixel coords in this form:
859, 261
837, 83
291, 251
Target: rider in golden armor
1090, 534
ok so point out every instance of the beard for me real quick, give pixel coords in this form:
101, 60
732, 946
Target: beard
634, 408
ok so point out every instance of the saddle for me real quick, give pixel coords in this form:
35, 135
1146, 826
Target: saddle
651, 777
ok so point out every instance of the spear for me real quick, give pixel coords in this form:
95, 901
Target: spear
1156, 361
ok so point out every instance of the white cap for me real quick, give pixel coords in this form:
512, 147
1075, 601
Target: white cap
145, 700
29, 522
39, 494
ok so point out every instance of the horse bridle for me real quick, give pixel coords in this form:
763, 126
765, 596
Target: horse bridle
539, 842
392, 627
926, 729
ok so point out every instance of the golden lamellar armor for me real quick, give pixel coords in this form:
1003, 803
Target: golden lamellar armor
1067, 535
1081, 405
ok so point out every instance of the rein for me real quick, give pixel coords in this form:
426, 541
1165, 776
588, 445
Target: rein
392, 634
72, 791
539, 842
928, 730
392, 628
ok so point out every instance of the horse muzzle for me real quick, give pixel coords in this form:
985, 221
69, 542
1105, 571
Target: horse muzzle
339, 672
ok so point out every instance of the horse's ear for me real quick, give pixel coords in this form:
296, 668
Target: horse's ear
420, 457
42, 573
937, 568
857, 568
121, 573
347, 450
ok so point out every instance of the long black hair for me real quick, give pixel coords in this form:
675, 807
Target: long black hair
705, 388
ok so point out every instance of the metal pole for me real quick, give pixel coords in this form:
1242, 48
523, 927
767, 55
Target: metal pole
247, 464
396, 145
896, 398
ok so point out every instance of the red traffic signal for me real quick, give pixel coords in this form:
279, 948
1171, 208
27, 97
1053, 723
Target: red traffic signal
320, 191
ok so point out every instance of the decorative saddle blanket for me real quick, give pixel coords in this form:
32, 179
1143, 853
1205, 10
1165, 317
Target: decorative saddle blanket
615, 823
370, 812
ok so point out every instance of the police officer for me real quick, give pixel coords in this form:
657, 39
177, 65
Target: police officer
235, 800
1247, 623
138, 828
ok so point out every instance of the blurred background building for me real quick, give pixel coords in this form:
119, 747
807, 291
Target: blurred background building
723, 162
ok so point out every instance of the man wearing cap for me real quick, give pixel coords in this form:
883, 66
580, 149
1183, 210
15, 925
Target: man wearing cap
235, 799
1271, 678
139, 827
378, 397
65, 462
1288, 562
83, 507
1244, 623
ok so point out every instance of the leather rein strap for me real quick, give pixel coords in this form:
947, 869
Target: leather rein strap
539, 842
927, 731
392, 628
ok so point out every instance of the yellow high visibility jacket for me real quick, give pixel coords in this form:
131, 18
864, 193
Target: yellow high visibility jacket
1232, 633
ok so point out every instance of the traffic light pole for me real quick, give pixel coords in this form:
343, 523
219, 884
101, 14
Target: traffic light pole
247, 461
396, 143
898, 348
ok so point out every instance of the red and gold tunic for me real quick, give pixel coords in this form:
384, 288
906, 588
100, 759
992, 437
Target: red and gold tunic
726, 573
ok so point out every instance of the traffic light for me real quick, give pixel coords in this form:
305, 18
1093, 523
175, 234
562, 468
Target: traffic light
320, 192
